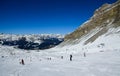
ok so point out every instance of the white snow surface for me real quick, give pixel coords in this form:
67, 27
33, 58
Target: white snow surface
102, 58
107, 41
105, 63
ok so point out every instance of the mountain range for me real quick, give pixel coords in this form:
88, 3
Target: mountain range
31, 42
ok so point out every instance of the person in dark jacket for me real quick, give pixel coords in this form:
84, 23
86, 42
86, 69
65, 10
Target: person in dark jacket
22, 62
61, 57
70, 57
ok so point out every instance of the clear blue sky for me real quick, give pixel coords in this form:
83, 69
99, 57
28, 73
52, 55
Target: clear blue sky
45, 16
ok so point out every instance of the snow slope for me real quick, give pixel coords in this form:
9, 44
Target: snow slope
105, 63
108, 41
102, 58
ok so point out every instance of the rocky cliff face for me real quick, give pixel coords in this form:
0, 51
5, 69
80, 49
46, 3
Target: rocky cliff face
105, 17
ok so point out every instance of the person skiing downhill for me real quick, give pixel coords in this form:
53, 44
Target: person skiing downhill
70, 57
22, 62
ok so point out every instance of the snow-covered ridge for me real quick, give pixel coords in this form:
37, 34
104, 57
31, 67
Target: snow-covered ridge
31, 42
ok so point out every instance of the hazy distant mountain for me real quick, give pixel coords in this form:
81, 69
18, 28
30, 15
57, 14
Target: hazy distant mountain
41, 41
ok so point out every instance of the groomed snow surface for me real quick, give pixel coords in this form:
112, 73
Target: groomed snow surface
98, 58
102, 63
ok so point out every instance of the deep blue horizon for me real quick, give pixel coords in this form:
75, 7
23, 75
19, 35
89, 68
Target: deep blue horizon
45, 16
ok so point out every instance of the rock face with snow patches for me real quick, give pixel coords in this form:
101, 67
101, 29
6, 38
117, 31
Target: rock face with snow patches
104, 23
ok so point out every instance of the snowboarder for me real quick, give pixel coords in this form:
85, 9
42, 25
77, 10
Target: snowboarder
70, 57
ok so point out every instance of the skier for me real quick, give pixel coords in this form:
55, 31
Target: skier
70, 57
61, 57
22, 62
84, 54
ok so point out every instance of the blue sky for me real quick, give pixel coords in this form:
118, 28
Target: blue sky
45, 16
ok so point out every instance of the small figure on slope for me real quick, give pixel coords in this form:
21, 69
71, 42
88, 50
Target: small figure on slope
22, 62
70, 57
